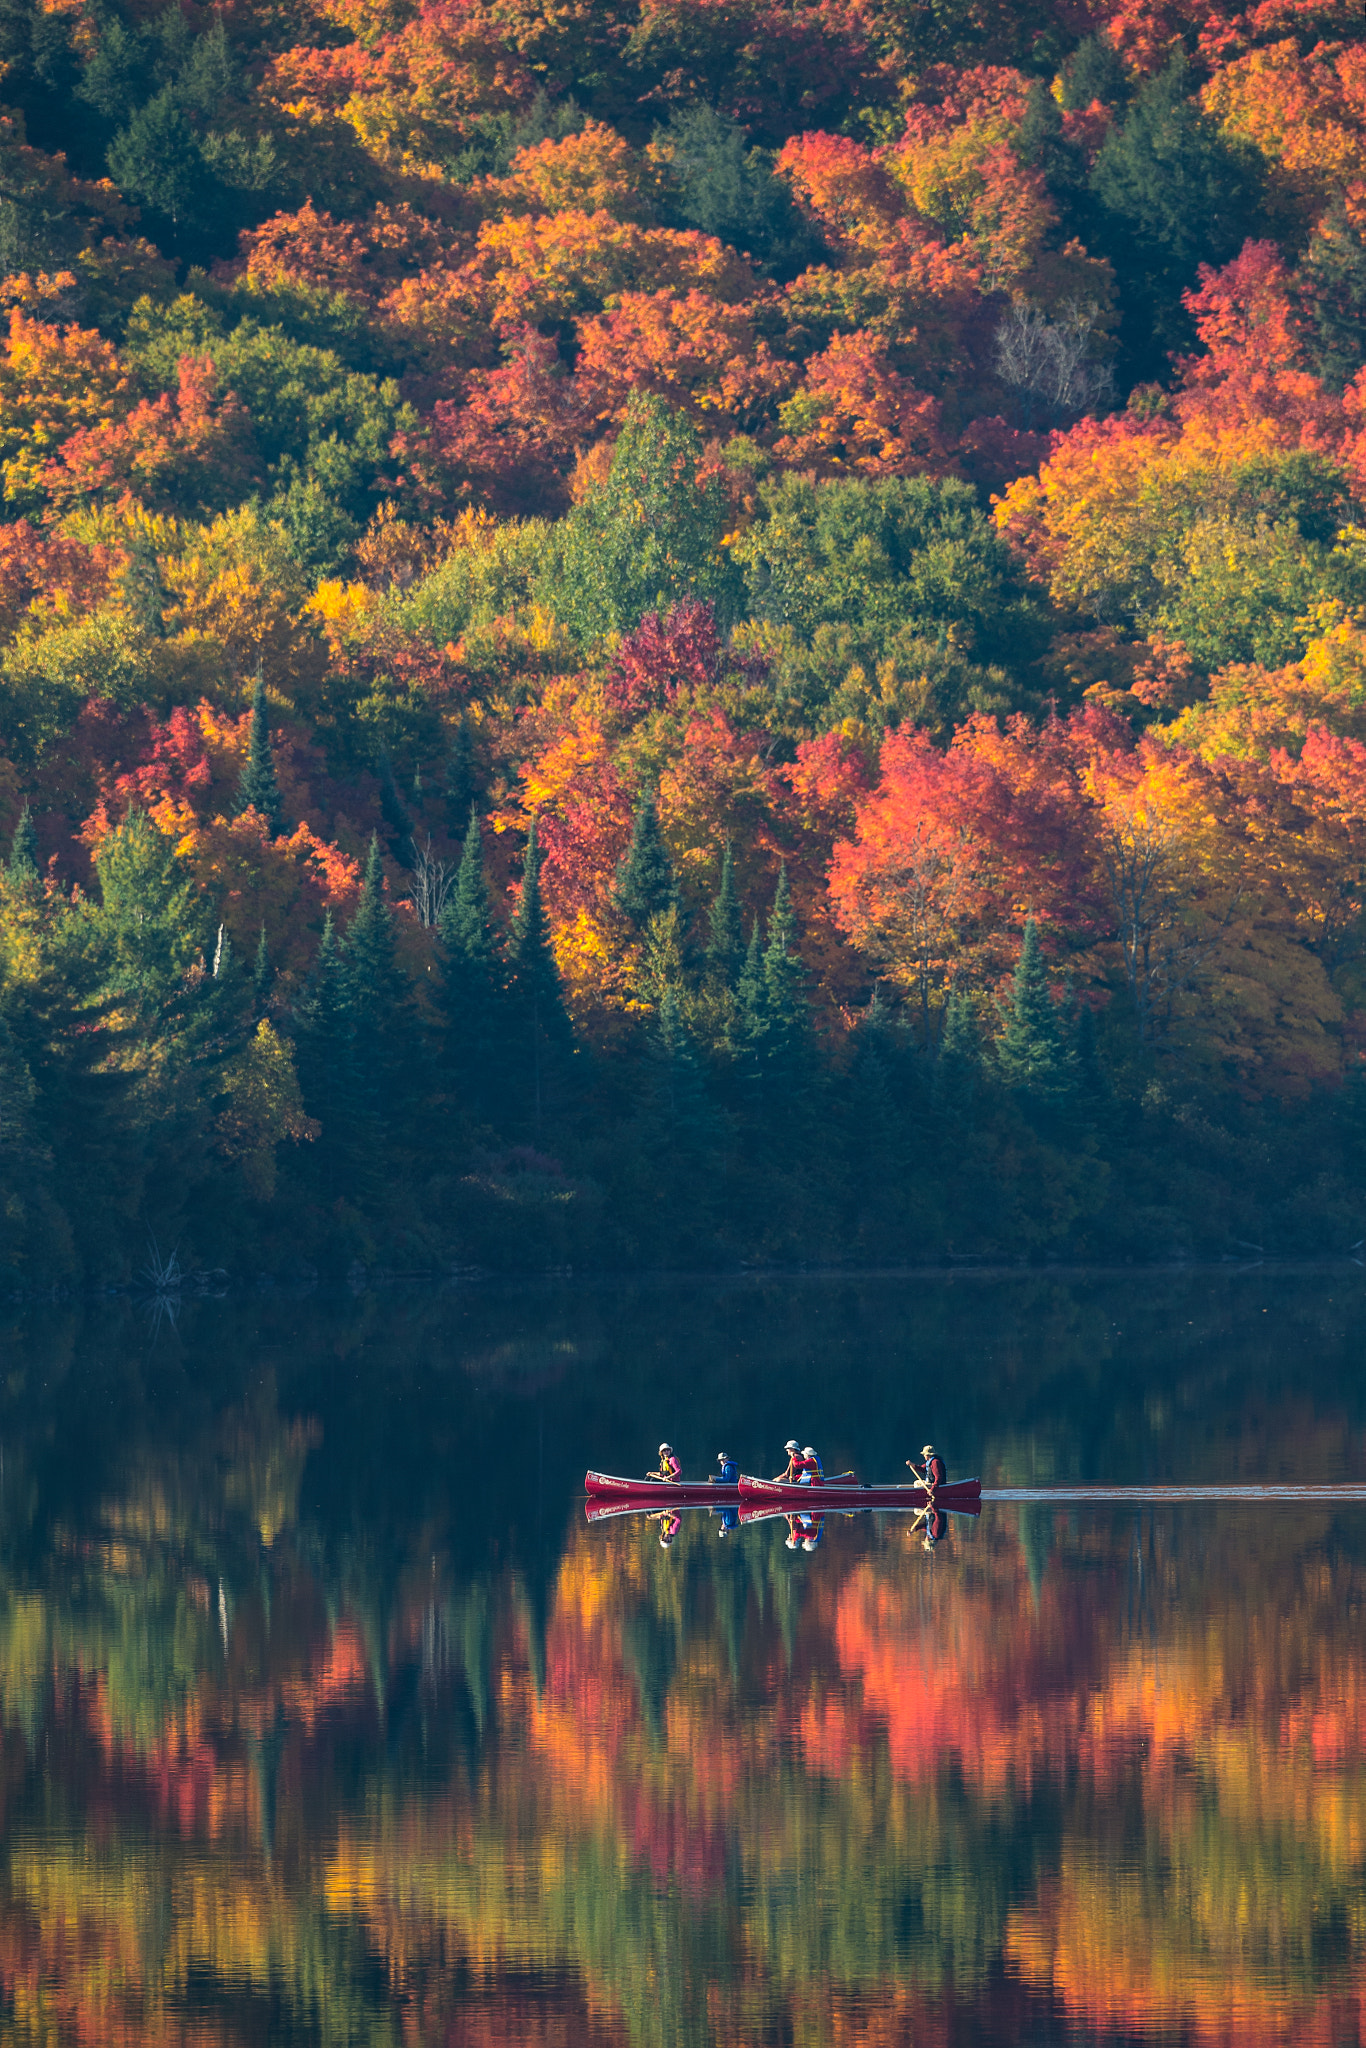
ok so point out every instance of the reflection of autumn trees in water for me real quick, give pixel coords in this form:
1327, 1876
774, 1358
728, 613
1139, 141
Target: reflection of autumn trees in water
299, 1741
715, 1794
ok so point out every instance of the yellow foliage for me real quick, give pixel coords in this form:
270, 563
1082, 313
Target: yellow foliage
265, 1107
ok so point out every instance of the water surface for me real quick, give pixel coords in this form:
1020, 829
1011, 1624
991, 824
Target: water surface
325, 1716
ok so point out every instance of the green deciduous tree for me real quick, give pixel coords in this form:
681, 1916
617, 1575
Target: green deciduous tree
647, 537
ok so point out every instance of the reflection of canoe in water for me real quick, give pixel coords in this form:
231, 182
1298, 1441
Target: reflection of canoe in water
962, 1495
603, 1510
661, 1493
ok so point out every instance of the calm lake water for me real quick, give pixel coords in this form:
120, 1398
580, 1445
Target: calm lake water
325, 1715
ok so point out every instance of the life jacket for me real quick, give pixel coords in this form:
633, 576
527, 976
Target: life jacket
936, 1472
729, 1472
669, 1467
808, 1471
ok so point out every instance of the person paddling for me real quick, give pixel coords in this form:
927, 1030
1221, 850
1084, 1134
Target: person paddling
792, 1471
813, 1472
729, 1472
935, 1471
669, 1467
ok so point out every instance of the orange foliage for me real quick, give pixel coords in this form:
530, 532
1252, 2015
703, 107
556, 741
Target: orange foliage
844, 187
698, 354
196, 447
856, 415
552, 266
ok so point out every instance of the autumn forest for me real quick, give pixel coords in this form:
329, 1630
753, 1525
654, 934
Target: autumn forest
679, 631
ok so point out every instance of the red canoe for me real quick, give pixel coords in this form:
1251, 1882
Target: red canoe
964, 1496
664, 1493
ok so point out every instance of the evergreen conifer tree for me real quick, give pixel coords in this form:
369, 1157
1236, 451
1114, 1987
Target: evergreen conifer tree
386, 1054
546, 1035
263, 974
258, 789
472, 1051
784, 976
1031, 1052
23, 852
725, 933
461, 788
325, 1060
645, 886
959, 1057
751, 995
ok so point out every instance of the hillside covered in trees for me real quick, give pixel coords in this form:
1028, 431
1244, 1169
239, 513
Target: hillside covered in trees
679, 630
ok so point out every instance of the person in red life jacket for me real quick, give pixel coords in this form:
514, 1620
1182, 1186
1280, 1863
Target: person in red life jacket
812, 1471
935, 1471
792, 1470
670, 1522
669, 1467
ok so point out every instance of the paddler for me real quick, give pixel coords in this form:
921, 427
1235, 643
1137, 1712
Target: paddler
669, 1467
813, 1472
935, 1471
792, 1471
729, 1472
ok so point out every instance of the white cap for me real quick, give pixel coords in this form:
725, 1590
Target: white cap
810, 1451
927, 1451
666, 1447
792, 1543
723, 1530
808, 1543
792, 1444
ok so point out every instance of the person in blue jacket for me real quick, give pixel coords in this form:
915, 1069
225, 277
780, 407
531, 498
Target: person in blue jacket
729, 1472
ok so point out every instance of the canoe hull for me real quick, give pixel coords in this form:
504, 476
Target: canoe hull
962, 1495
664, 1493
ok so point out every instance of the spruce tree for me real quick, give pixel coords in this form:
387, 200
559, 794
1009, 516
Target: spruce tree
23, 852
725, 933
784, 976
471, 1050
645, 886
959, 1058
545, 1035
461, 787
1031, 1052
325, 1060
263, 974
751, 995
258, 789
386, 1039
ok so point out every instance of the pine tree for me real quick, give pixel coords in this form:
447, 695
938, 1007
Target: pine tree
726, 934
258, 789
1031, 1053
546, 1035
23, 852
645, 886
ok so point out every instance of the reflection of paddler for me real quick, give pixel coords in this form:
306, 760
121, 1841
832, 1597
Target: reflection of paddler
804, 1531
935, 1524
670, 1522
